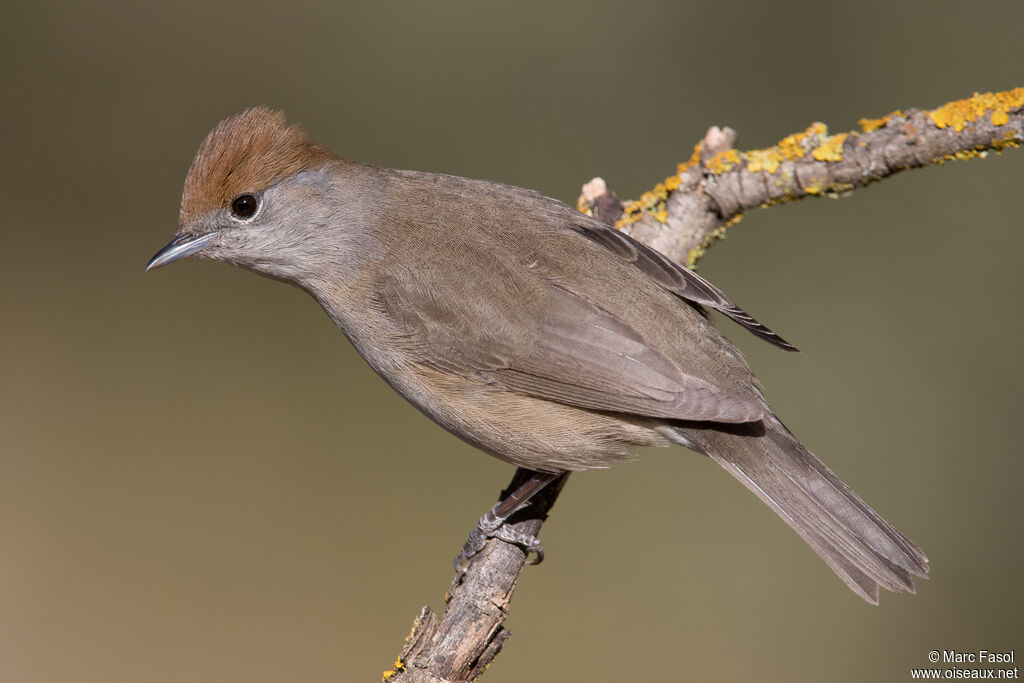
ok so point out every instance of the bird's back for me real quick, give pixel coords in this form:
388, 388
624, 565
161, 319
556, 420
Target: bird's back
521, 314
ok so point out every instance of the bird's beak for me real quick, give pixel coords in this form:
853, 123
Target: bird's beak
179, 247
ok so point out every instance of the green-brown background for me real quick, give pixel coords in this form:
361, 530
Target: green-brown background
201, 481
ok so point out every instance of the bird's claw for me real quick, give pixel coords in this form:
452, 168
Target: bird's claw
529, 542
491, 527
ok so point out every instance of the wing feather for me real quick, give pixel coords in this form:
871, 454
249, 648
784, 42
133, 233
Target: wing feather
555, 345
681, 281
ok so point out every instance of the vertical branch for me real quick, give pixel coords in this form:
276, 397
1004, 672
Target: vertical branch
461, 644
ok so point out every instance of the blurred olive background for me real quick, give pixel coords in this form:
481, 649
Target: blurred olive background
200, 480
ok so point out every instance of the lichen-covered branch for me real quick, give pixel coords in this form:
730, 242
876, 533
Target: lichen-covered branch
684, 214
681, 217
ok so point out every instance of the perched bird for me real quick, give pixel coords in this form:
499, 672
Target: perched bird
537, 334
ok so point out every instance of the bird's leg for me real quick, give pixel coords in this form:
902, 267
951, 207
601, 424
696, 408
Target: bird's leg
492, 524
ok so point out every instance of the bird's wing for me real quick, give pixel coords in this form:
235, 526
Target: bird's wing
681, 281
539, 338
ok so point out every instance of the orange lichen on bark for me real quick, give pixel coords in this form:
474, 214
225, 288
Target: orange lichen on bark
795, 146
653, 201
869, 125
397, 667
630, 214
831, 148
692, 161
815, 143
961, 112
584, 206
815, 139
723, 162
764, 160
718, 233
997, 146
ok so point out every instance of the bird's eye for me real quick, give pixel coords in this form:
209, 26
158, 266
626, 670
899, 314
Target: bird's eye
244, 206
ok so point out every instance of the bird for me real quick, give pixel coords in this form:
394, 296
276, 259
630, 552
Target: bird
540, 335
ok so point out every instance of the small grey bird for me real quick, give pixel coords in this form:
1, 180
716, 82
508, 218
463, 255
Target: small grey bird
537, 334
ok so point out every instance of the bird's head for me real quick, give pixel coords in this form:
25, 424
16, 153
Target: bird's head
256, 191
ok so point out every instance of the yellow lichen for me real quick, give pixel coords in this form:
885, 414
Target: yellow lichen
651, 203
962, 112
784, 199
631, 213
763, 160
831, 148
695, 255
962, 155
718, 233
723, 162
583, 205
819, 145
648, 199
789, 147
693, 160
794, 146
869, 125
399, 665
733, 221
837, 190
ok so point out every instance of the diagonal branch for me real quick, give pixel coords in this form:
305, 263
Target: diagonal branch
462, 644
682, 217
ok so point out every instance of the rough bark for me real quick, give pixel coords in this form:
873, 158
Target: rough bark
459, 646
681, 217
685, 213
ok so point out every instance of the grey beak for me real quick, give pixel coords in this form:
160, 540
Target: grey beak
178, 248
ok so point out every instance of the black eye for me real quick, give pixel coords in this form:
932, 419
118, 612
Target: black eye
244, 206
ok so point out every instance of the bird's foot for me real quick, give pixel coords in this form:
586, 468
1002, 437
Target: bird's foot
492, 526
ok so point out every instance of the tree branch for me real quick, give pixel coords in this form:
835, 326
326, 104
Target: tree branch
681, 217
462, 644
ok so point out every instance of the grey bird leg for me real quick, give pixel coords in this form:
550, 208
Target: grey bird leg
492, 524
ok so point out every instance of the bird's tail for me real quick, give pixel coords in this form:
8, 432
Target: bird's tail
863, 549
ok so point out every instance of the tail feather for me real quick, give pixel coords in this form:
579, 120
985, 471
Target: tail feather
862, 549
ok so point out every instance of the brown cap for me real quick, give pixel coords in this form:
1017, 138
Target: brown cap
246, 153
